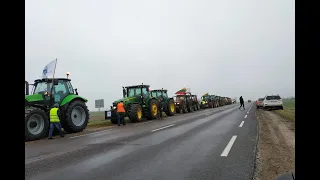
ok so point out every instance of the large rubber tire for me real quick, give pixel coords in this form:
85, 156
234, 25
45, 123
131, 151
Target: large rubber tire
135, 113
36, 123
189, 107
153, 104
184, 107
178, 110
71, 122
171, 108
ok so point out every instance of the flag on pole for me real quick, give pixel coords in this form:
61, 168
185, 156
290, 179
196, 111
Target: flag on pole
181, 91
206, 94
48, 70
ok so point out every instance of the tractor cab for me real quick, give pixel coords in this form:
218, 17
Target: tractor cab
194, 98
140, 92
159, 93
49, 91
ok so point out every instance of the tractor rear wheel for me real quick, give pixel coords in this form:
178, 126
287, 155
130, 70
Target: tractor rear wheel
36, 123
153, 110
190, 108
171, 108
76, 117
184, 107
135, 113
178, 109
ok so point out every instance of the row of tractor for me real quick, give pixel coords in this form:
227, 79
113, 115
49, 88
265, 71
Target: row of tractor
142, 102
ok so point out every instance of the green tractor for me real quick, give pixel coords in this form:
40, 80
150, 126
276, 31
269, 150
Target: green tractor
216, 101
75, 114
168, 103
195, 103
206, 101
138, 104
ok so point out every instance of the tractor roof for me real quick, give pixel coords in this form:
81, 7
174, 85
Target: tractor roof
50, 79
137, 86
159, 90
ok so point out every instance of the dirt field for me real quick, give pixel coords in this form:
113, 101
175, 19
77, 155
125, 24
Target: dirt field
276, 146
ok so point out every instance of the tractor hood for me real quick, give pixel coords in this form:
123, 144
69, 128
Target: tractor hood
125, 100
34, 98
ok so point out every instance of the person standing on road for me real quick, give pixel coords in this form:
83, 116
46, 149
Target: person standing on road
241, 102
121, 112
55, 121
160, 108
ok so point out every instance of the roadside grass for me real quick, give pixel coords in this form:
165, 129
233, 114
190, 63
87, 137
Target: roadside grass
97, 120
288, 111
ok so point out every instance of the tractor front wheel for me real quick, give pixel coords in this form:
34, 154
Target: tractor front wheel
36, 123
135, 113
153, 110
171, 108
76, 117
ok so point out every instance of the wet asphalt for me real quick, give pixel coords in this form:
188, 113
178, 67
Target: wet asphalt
185, 146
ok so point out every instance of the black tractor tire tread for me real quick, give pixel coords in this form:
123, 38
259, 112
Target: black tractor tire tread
178, 110
168, 112
28, 112
150, 116
133, 116
67, 122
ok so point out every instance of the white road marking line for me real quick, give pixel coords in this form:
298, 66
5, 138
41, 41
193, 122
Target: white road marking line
241, 124
229, 146
248, 112
90, 133
245, 116
162, 128
143, 123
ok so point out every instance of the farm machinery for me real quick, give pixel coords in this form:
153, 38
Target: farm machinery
206, 101
138, 104
183, 101
46, 92
167, 102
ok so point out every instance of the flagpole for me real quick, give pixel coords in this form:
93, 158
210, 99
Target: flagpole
54, 71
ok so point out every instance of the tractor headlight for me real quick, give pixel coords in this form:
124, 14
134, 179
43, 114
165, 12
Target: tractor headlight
114, 107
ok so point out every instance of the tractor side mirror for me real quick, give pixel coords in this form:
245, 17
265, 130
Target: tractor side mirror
76, 90
124, 92
27, 87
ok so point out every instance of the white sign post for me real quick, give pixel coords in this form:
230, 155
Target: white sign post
99, 103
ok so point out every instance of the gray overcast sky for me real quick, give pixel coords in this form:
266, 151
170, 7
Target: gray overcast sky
226, 47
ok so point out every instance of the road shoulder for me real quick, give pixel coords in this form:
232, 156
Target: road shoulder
276, 146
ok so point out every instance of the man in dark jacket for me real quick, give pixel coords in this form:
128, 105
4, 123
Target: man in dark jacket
241, 102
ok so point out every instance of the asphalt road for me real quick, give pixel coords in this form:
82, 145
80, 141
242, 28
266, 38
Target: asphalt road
216, 143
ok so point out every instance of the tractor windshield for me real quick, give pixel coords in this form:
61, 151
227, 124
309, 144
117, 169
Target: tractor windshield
154, 94
180, 98
204, 98
42, 87
130, 92
165, 95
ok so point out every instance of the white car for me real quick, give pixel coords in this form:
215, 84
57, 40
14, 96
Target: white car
272, 102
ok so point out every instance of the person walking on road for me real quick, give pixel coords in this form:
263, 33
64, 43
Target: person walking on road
55, 120
160, 108
121, 112
241, 102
